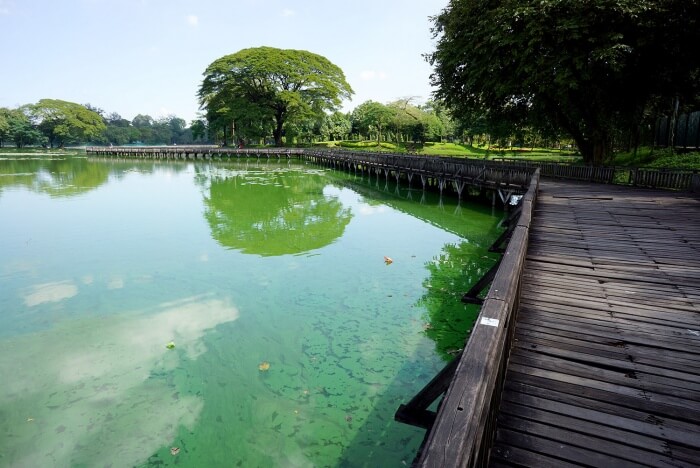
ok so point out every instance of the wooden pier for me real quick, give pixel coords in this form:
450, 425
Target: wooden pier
443, 173
587, 348
510, 175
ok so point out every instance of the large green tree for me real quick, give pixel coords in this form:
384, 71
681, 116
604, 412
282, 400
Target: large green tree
66, 122
260, 85
588, 67
16, 126
372, 117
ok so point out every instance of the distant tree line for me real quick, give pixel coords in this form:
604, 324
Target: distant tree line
55, 123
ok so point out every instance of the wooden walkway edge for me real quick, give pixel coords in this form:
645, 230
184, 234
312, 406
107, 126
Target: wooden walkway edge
605, 362
601, 364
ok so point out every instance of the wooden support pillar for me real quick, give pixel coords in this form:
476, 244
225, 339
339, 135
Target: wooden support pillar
459, 187
471, 296
497, 246
505, 195
416, 412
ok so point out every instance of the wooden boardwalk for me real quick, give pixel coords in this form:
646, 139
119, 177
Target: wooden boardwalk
604, 368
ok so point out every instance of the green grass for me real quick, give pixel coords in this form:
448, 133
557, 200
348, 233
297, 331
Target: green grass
658, 158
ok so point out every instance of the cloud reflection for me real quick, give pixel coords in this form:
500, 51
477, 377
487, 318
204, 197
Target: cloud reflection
100, 391
50, 292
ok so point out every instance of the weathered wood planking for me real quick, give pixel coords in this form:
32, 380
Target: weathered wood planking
605, 365
465, 424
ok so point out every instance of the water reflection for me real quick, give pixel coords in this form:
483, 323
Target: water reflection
62, 177
452, 273
271, 212
50, 292
99, 390
71, 174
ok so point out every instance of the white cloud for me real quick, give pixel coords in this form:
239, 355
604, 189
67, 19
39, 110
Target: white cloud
369, 75
367, 210
192, 20
287, 12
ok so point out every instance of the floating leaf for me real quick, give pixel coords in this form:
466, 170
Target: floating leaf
170, 345
174, 450
388, 260
264, 366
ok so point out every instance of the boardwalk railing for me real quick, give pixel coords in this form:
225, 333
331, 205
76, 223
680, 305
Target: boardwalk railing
500, 172
673, 179
440, 172
188, 152
458, 171
464, 429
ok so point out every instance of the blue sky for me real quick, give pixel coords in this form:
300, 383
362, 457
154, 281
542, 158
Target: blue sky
148, 56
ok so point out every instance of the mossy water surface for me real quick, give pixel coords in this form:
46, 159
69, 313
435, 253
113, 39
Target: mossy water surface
293, 341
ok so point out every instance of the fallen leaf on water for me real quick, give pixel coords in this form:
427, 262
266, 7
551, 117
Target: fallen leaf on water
388, 260
170, 345
264, 366
174, 450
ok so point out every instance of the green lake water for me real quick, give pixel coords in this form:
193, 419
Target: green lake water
294, 342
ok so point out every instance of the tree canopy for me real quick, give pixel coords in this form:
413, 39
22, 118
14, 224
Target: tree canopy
263, 88
585, 67
64, 122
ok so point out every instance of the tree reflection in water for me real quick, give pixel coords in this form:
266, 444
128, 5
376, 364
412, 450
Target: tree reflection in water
275, 211
452, 273
56, 177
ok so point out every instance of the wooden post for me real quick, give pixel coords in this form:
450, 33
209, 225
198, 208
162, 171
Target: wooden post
416, 412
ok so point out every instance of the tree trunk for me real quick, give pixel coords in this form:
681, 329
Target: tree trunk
279, 123
594, 150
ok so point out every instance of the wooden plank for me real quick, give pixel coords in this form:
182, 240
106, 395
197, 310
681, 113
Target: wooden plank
539, 336
588, 449
620, 394
627, 383
682, 379
603, 413
638, 353
552, 449
515, 456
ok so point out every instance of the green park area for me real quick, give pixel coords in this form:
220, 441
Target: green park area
550, 81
